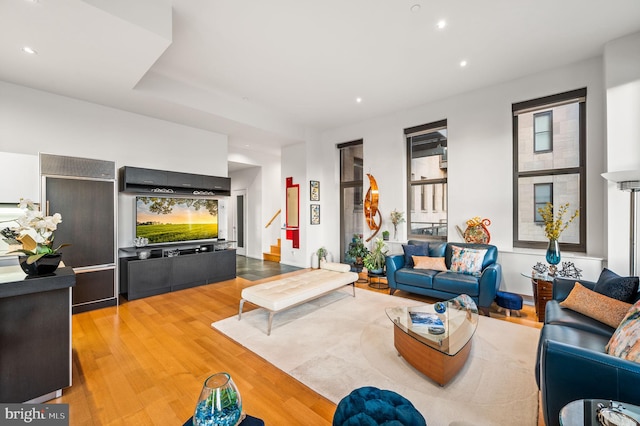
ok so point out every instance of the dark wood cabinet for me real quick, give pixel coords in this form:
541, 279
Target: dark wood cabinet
88, 209
136, 180
217, 183
140, 176
542, 293
184, 180
35, 335
156, 275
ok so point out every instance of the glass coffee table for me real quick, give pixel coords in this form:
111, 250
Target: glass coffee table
435, 339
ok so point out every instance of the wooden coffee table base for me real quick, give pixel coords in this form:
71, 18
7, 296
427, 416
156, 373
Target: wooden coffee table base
429, 361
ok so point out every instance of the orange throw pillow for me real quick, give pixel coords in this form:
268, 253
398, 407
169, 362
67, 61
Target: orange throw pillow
595, 305
426, 262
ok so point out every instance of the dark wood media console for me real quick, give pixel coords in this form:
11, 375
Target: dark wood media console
175, 267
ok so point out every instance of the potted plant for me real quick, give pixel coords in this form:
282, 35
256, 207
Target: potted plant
385, 235
357, 250
374, 260
35, 233
322, 255
396, 218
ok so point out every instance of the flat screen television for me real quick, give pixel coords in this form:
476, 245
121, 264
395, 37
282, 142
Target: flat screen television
165, 220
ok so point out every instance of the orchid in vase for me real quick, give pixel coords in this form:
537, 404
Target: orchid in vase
34, 232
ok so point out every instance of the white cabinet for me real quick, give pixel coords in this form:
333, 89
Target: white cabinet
19, 176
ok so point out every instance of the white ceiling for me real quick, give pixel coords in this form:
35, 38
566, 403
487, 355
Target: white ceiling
268, 72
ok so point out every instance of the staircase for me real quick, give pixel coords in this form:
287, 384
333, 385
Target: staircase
274, 253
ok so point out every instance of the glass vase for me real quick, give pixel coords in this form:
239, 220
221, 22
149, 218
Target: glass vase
553, 252
219, 403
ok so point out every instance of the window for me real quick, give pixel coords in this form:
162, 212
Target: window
543, 132
542, 194
549, 140
351, 201
427, 181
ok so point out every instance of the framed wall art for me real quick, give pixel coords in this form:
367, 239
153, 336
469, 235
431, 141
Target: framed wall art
315, 214
314, 190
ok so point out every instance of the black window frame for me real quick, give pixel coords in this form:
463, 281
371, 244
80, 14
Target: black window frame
580, 96
409, 133
548, 114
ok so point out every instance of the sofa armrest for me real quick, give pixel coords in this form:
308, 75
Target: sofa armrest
563, 286
489, 284
569, 373
393, 263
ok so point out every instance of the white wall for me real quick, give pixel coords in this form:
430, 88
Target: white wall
33, 121
294, 166
622, 73
264, 188
480, 158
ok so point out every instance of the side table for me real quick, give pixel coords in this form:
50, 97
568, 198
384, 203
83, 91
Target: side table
375, 280
585, 412
542, 292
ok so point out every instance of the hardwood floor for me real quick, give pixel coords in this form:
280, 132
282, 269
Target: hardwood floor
144, 362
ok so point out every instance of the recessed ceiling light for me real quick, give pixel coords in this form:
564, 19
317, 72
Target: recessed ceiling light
358, 100
463, 64
416, 8
29, 50
441, 24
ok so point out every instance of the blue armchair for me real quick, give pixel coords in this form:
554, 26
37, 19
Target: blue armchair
446, 284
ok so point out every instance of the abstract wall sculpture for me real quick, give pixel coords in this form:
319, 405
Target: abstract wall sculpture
371, 207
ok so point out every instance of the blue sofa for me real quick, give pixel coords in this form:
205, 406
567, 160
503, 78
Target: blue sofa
446, 284
572, 362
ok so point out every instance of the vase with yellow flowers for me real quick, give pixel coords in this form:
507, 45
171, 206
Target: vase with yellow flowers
35, 233
553, 227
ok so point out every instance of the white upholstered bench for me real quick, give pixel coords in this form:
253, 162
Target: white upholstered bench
278, 295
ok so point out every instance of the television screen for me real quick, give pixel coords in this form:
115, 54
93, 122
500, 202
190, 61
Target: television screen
170, 220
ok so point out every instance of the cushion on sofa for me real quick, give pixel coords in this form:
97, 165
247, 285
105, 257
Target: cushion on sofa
411, 250
416, 277
625, 342
595, 305
467, 260
613, 285
426, 262
454, 282
558, 315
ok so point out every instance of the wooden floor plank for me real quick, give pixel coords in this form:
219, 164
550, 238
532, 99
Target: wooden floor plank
143, 362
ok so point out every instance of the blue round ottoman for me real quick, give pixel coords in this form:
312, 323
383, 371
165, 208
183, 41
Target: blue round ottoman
369, 406
510, 302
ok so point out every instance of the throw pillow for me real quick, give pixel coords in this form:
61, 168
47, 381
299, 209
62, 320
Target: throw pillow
466, 260
411, 250
426, 262
595, 305
612, 285
625, 342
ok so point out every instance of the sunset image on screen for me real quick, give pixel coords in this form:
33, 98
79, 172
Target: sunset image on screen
166, 220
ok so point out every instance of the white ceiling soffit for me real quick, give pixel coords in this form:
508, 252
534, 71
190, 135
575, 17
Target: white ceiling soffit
85, 48
268, 73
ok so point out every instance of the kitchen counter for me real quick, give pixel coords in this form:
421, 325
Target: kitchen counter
35, 334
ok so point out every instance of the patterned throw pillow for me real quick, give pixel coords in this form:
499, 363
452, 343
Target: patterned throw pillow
612, 285
411, 250
595, 305
426, 262
625, 342
466, 260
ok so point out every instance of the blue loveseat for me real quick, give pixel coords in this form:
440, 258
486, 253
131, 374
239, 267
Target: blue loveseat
446, 284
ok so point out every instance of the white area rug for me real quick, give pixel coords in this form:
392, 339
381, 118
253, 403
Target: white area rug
339, 343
